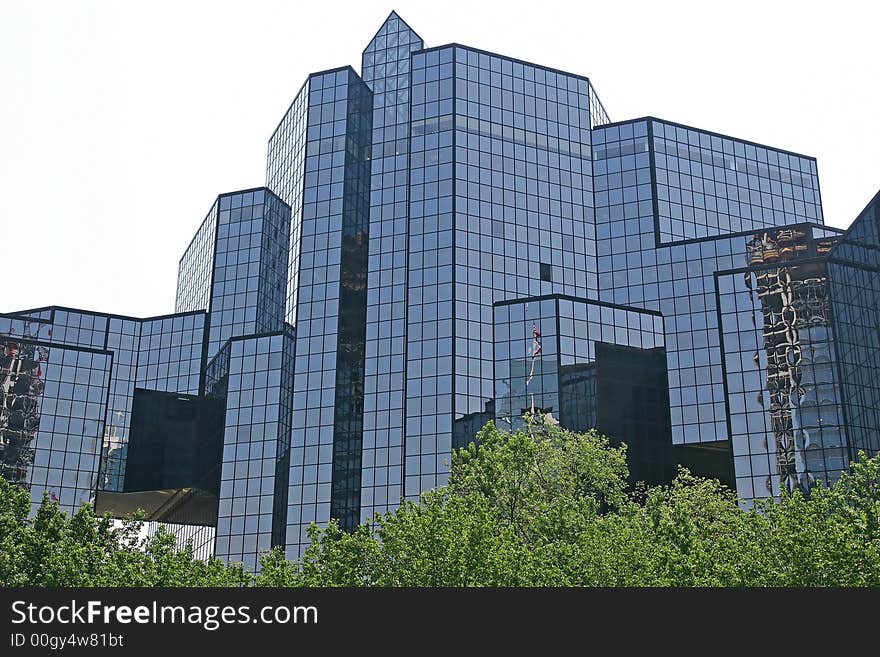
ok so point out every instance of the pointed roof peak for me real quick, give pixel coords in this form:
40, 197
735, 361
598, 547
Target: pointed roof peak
393, 24
395, 16
403, 23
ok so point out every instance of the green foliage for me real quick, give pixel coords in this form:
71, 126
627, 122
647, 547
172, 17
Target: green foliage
544, 484
830, 539
548, 507
540, 507
54, 549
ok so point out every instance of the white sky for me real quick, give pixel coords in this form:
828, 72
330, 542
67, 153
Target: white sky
120, 122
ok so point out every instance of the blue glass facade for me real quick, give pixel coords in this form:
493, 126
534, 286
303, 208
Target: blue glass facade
340, 331
162, 354
500, 207
250, 266
92, 368
782, 388
329, 305
585, 364
252, 512
52, 417
667, 197
236, 266
284, 174
854, 292
195, 271
568, 331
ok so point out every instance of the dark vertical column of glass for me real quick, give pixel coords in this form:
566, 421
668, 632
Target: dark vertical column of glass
386, 69
633, 407
274, 254
351, 336
233, 489
216, 393
282, 455
330, 217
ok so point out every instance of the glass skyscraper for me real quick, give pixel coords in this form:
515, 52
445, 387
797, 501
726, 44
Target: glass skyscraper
446, 238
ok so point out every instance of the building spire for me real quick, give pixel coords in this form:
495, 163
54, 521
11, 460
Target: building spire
393, 29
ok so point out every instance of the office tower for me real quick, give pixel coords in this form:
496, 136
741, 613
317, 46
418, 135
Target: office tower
450, 237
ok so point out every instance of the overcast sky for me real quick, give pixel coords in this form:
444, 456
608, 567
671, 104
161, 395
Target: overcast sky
120, 122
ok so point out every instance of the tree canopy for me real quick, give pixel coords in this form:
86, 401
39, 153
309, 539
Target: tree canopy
538, 507
54, 549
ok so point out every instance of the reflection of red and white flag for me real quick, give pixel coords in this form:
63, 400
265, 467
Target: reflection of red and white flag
537, 348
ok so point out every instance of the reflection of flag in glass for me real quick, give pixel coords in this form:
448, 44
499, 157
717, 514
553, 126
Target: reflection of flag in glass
536, 351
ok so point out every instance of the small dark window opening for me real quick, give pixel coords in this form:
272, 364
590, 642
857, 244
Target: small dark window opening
546, 272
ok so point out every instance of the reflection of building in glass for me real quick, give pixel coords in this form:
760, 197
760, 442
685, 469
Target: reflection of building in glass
577, 385
51, 417
453, 236
21, 385
801, 395
466, 427
781, 329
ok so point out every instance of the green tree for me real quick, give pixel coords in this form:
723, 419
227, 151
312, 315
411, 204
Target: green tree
539, 507
548, 507
507, 494
831, 538
54, 549
544, 483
